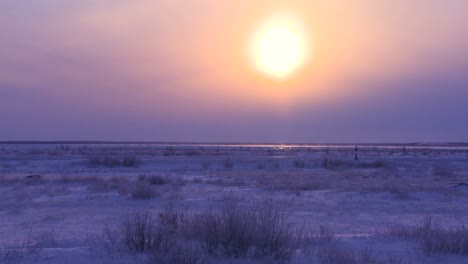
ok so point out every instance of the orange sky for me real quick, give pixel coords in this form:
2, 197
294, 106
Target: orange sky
187, 61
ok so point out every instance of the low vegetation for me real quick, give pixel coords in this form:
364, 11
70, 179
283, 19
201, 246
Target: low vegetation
333, 164
333, 254
113, 162
234, 231
32, 245
154, 179
142, 190
433, 239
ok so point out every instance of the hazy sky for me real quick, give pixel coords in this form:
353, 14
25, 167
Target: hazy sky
178, 70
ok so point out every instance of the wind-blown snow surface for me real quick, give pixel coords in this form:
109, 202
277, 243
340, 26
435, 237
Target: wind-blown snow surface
62, 196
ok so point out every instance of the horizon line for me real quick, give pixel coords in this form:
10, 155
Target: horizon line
122, 142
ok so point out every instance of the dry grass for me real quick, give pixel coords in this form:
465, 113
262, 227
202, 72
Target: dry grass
325, 233
139, 231
384, 179
14, 252
333, 254
432, 238
113, 162
334, 164
258, 231
154, 179
443, 242
143, 191
157, 235
31, 246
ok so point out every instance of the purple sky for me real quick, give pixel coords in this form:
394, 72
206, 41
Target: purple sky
175, 70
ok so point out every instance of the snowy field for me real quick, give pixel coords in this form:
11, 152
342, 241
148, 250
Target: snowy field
233, 204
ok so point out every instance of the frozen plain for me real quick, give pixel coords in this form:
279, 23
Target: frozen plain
57, 199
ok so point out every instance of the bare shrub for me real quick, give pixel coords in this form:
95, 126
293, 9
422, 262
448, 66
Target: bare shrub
112, 162
122, 184
14, 252
112, 237
325, 233
139, 231
181, 252
256, 231
274, 235
367, 256
392, 259
172, 219
334, 255
206, 228
131, 161
142, 190
442, 242
235, 231
434, 239
411, 232
154, 179
158, 236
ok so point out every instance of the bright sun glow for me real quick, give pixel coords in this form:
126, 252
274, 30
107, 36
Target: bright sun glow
279, 47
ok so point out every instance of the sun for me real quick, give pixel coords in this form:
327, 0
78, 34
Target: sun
279, 47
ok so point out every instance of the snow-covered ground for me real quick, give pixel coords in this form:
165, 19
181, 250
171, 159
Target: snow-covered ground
56, 200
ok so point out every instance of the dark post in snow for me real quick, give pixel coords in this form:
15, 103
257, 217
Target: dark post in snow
355, 153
